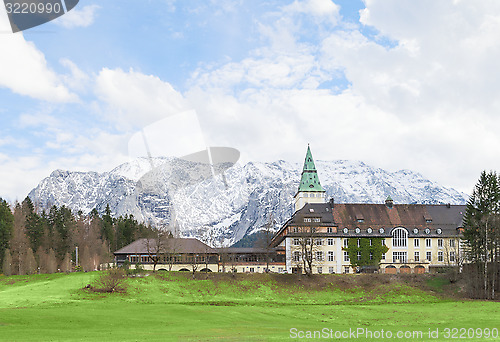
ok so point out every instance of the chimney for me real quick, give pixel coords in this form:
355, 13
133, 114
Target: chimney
331, 202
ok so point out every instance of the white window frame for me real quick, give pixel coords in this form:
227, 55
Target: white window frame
428, 256
399, 238
346, 256
440, 256
319, 255
440, 243
331, 256
331, 242
416, 242
417, 256
428, 243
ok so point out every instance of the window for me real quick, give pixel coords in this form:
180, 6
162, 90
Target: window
399, 237
330, 242
452, 243
346, 269
359, 256
329, 230
331, 269
307, 220
440, 256
417, 256
316, 219
296, 256
320, 270
452, 256
330, 255
252, 270
359, 242
440, 242
295, 229
398, 256
319, 242
319, 255
346, 256
428, 256
360, 220
371, 255
383, 256
296, 242
383, 242
346, 243
371, 242
416, 242
134, 260
428, 243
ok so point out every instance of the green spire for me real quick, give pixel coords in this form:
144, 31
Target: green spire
310, 180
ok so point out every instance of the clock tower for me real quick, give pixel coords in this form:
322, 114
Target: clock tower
310, 189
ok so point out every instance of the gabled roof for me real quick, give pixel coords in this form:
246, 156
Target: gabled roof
172, 245
309, 180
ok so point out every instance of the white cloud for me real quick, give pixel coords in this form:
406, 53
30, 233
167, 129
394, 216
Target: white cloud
134, 99
423, 104
24, 70
78, 17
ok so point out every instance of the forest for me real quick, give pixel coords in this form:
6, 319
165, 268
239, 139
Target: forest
40, 241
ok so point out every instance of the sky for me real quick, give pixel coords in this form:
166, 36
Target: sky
397, 84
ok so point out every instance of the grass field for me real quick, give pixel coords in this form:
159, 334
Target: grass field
174, 307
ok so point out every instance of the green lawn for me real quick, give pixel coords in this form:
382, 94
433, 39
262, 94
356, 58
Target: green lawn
249, 308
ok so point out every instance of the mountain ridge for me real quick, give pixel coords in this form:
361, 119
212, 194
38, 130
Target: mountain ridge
221, 210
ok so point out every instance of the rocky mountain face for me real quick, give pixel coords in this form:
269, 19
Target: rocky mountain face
222, 209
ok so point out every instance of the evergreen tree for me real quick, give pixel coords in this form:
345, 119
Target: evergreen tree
6, 227
482, 225
34, 224
106, 222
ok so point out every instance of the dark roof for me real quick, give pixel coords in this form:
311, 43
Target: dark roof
173, 245
359, 219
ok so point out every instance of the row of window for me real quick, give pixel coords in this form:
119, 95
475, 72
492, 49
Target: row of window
396, 256
416, 242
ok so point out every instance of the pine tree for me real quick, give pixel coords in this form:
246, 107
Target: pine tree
6, 227
482, 225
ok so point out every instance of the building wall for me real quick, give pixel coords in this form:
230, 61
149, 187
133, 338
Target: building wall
339, 264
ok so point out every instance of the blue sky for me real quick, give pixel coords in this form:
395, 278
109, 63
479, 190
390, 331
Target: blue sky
398, 84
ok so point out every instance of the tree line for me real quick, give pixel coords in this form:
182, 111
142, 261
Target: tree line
46, 241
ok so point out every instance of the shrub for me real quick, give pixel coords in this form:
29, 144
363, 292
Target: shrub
110, 281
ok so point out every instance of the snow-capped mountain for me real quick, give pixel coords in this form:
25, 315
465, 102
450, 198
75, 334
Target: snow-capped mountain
225, 208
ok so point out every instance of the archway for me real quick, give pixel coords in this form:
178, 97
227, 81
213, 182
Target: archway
405, 269
391, 269
419, 269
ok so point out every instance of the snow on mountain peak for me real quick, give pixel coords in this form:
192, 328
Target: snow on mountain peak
227, 209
